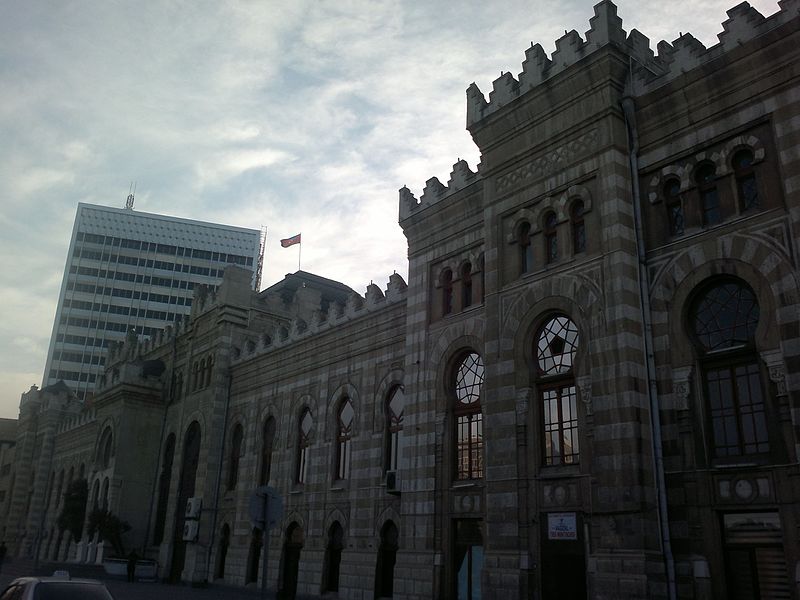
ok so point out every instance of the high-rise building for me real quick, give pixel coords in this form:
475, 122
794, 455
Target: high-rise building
132, 271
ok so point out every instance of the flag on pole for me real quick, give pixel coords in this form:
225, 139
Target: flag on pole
291, 241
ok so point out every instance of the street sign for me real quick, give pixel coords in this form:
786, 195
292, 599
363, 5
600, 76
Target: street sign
265, 503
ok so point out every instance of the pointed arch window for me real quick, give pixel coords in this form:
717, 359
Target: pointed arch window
550, 237
578, 227
706, 178
555, 349
468, 417
346, 418
525, 248
395, 406
236, 452
723, 320
305, 427
746, 186
268, 442
672, 197
466, 285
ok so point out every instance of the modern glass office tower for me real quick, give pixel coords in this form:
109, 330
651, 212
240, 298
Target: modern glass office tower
132, 270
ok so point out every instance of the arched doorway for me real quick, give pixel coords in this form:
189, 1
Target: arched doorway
254, 556
333, 558
191, 456
291, 561
387, 555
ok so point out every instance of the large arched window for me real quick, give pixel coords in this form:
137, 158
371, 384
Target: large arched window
395, 406
236, 453
305, 426
525, 248
746, 186
105, 449
550, 237
674, 204
344, 436
164, 480
578, 227
706, 179
268, 442
447, 291
468, 388
555, 348
723, 320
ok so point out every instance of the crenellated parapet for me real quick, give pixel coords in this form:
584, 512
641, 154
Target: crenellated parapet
649, 70
460, 177
323, 320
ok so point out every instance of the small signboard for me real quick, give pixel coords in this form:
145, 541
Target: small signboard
266, 507
562, 526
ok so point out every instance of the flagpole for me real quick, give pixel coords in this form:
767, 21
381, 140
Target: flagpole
299, 252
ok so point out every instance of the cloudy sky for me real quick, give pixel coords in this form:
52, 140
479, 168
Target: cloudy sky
303, 115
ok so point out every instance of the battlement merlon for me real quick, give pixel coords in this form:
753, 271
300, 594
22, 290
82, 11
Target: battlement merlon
650, 71
460, 177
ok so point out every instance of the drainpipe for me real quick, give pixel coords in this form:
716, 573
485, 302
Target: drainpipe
629, 110
215, 509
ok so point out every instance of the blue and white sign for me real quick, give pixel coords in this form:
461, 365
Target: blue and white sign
562, 526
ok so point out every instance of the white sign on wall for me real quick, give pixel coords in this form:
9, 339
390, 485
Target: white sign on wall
562, 526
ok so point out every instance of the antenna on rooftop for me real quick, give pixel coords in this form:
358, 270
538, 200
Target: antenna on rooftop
131, 192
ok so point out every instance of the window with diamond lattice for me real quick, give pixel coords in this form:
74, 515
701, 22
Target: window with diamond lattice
468, 417
344, 439
556, 347
395, 406
723, 319
305, 427
706, 179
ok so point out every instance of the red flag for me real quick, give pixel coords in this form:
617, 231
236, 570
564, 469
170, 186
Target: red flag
295, 239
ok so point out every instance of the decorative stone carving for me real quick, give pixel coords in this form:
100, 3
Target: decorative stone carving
682, 387
777, 369
585, 386
523, 402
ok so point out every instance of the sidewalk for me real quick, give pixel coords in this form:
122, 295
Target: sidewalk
123, 590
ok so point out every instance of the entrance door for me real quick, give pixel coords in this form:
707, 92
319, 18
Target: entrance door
563, 557
291, 562
468, 559
755, 564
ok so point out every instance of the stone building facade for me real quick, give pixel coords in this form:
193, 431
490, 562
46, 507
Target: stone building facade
587, 388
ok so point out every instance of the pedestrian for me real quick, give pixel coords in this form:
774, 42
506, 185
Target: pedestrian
3, 551
132, 558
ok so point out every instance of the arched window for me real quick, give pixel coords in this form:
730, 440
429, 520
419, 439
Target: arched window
555, 348
387, 555
466, 285
482, 277
236, 452
268, 442
447, 292
395, 405
706, 179
164, 479
550, 237
105, 498
186, 489
468, 387
333, 558
96, 494
723, 320
305, 427
344, 437
525, 248
578, 227
209, 370
674, 204
254, 556
105, 449
746, 186
292, 547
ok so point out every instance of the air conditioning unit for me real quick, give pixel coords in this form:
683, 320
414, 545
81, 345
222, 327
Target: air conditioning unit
392, 482
193, 506
190, 529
